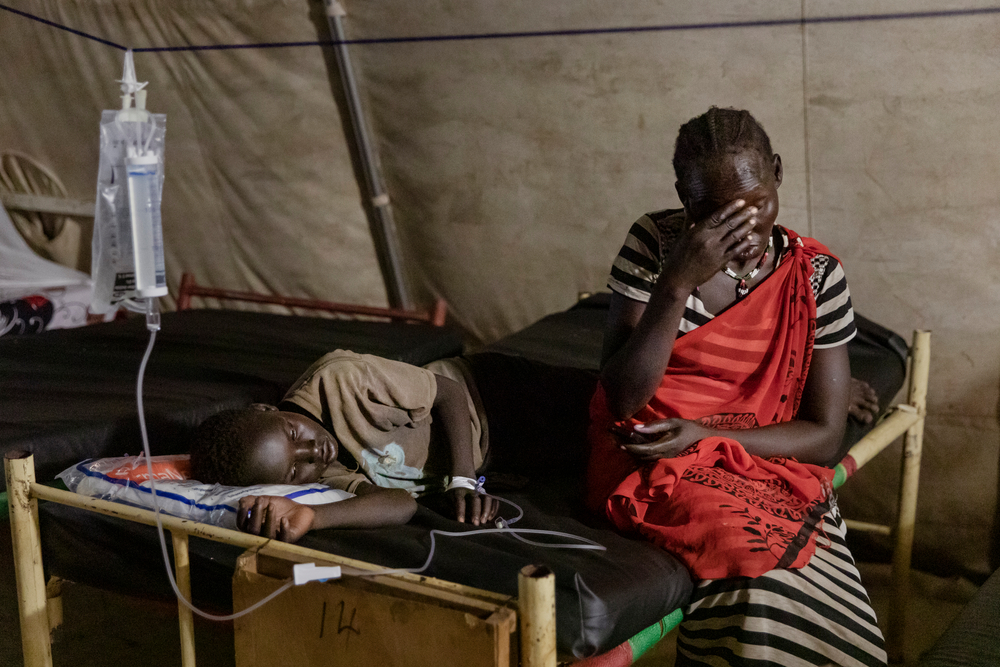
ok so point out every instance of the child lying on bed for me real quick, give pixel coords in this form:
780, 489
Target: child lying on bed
381, 429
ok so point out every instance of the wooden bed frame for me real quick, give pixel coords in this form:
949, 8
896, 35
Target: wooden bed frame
530, 619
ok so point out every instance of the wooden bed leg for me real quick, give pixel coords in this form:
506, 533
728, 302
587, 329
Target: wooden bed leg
909, 480
536, 602
28, 571
182, 569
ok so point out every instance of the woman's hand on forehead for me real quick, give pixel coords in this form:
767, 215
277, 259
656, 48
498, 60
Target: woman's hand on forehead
732, 214
708, 244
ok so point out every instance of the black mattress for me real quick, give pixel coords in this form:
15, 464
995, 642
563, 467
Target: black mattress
67, 395
569, 339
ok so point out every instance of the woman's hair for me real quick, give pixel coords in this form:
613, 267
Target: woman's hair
716, 133
219, 454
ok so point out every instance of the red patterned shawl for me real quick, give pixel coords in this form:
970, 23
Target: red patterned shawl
722, 511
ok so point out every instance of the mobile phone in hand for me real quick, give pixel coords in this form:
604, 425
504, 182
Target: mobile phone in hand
627, 434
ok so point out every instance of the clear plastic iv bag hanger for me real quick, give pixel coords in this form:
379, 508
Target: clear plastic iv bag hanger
128, 262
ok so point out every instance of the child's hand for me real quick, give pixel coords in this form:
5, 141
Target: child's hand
482, 509
274, 517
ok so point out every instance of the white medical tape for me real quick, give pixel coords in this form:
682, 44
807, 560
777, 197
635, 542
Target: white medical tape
459, 482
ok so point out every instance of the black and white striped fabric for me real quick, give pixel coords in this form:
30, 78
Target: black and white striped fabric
817, 615
640, 261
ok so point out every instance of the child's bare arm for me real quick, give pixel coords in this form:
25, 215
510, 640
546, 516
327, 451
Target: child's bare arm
451, 410
287, 520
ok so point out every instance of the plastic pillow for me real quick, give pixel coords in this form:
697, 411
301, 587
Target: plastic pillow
126, 480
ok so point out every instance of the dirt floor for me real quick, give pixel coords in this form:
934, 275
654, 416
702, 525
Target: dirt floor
101, 629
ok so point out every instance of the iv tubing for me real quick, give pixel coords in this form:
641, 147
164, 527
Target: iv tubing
156, 506
502, 529
513, 532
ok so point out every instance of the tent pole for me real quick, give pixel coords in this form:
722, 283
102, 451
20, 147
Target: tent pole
384, 225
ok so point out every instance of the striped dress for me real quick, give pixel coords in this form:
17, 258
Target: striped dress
819, 614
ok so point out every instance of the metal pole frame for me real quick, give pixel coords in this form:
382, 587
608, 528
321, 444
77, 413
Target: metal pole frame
384, 225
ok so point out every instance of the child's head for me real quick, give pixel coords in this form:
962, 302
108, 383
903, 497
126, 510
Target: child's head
724, 155
260, 445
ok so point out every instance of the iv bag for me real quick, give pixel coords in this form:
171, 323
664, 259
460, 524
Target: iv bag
127, 253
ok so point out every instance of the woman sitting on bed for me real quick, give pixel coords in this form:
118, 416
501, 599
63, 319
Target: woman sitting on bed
723, 394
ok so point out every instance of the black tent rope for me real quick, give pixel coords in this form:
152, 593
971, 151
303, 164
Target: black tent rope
766, 23
61, 27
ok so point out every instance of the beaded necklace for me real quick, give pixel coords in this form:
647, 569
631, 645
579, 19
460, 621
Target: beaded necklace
742, 289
